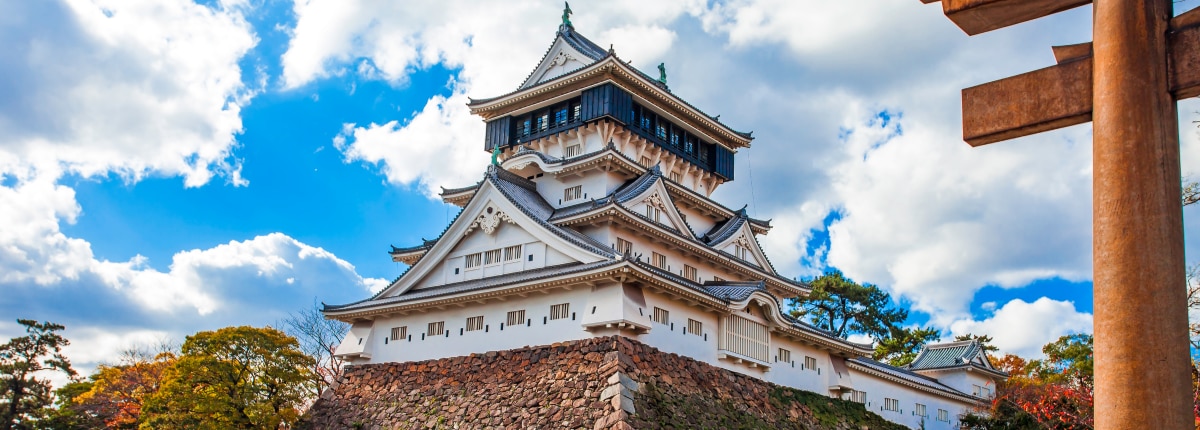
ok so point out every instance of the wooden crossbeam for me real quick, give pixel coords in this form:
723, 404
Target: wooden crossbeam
981, 16
1061, 95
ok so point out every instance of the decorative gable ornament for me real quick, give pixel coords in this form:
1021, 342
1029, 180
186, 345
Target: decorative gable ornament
562, 59
488, 220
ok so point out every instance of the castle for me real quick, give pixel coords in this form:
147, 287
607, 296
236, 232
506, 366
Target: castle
595, 220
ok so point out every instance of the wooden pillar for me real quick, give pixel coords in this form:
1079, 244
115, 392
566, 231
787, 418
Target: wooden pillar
1141, 348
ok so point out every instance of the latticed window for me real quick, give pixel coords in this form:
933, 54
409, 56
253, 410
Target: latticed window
652, 212
474, 260
516, 317
858, 396
690, 272
747, 338
695, 327
943, 415
784, 356
560, 116
491, 257
399, 333
436, 328
739, 251
571, 151
645, 161
573, 193
662, 316
658, 260
920, 410
475, 323
891, 404
676, 176
624, 246
512, 253
810, 363
560, 311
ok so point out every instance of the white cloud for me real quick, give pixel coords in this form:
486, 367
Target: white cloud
162, 91
437, 147
1022, 328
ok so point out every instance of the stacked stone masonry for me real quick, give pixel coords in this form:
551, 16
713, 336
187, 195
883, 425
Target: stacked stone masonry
598, 383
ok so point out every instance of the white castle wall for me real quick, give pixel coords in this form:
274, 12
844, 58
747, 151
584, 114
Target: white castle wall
878, 389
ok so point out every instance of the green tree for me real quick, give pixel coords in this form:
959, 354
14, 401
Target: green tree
232, 378
902, 345
984, 340
845, 307
23, 396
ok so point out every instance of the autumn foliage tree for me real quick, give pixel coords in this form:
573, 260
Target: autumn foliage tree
118, 392
1054, 393
232, 378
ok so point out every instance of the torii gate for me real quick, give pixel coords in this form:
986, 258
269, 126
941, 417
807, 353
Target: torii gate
1126, 82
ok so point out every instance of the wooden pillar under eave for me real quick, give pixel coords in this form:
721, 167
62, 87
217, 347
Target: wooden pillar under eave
1142, 368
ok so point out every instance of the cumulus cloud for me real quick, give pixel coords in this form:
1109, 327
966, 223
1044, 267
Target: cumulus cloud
162, 92
436, 147
1022, 328
492, 45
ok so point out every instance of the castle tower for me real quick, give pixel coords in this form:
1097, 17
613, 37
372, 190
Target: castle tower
595, 219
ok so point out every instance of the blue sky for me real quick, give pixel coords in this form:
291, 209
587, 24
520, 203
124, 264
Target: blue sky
171, 166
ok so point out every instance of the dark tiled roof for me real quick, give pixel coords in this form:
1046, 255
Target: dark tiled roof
638, 185
581, 44
733, 291
475, 285
946, 355
523, 193
448, 191
425, 245
907, 375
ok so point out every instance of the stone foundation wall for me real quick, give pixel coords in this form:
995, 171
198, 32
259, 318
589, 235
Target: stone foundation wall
600, 383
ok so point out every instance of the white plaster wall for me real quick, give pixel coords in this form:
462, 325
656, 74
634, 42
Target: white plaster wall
674, 338
701, 224
541, 330
794, 373
878, 388
964, 380
507, 234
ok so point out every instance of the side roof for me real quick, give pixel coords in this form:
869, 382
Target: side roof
966, 353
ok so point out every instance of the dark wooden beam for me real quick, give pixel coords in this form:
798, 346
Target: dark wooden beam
981, 16
1184, 56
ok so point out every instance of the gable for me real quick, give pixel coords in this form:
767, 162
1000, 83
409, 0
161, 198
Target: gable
742, 245
656, 204
489, 220
562, 58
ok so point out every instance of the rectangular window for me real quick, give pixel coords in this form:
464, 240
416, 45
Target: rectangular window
474, 260
675, 176
785, 356
573, 193
689, 144
571, 151
661, 130
560, 116
491, 257
516, 317
624, 246
858, 396
662, 316
560, 311
436, 328
475, 323
810, 363
575, 111
920, 410
943, 415
747, 338
544, 122
645, 161
718, 279
739, 251
653, 212
399, 333
694, 327
658, 260
524, 128
891, 404
690, 273
512, 253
